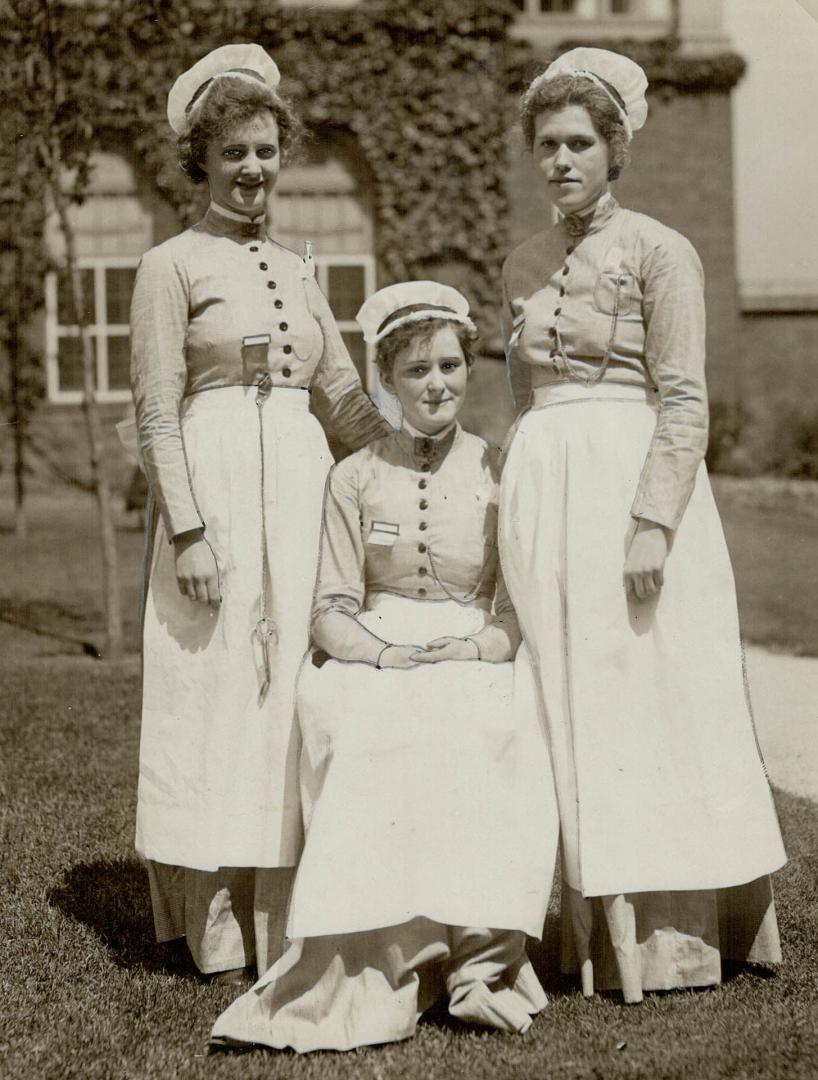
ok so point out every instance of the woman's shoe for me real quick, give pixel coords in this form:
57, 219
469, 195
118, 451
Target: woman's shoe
232, 977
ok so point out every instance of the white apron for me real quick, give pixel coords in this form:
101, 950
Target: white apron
426, 792
659, 778
218, 782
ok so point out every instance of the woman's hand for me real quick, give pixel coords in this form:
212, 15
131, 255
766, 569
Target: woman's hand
197, 574
449, 648
400, 656
644, 572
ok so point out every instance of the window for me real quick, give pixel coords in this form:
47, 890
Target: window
325, 200
107, 286
346, 281
112, 227
569, 11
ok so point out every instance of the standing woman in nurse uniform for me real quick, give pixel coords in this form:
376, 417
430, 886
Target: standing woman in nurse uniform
616, 563
230, 333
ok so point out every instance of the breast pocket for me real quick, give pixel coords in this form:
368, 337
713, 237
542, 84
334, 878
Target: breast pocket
615, 290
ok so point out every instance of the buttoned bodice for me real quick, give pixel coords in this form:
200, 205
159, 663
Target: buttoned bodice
413, 517
250, 303
222, 305
624, 290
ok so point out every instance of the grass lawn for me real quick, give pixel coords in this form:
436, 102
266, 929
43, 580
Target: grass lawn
87, 995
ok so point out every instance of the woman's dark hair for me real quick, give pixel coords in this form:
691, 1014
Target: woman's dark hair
228, 103
551, 95
389, 348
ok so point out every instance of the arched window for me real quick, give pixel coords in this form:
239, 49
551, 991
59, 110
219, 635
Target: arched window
590, 19
113, 226
326, 200
322, 200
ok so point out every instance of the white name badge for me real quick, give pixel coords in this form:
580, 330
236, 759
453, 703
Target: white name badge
256, 339
383, 533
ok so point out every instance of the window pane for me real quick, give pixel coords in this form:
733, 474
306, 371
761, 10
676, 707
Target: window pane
69, 360
118, 288
119, 362
346, 290
357, 350
557, 5
620, 7
65, 307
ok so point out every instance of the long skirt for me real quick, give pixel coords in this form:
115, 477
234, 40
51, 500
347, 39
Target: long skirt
231, 918
659, 778
431, 836
218, 771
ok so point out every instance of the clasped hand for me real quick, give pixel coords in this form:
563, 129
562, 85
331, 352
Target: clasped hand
644, 572
434, 652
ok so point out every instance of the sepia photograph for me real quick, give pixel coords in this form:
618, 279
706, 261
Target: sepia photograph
409, 540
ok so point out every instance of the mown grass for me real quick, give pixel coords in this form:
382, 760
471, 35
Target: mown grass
86, 994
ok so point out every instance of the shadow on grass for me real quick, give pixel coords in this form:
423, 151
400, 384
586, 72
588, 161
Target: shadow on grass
79, 630
112, 897
48, 619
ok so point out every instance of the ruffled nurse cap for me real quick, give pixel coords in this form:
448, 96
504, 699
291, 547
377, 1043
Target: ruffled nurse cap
610, 71
411, 301
248, 62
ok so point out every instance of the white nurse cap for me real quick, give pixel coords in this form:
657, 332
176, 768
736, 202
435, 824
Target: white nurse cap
611, 72
248, 62
411, 301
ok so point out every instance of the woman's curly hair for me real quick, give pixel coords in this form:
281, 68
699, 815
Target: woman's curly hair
551, 95
390, 348
230, 102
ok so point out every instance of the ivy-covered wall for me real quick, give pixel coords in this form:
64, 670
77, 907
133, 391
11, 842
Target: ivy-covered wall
421, 86
428, 88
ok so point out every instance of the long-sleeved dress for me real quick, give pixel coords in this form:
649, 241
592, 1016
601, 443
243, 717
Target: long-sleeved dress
666, 811
231, 337
431, 821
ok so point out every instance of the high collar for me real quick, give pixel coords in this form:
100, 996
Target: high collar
221, 222
427, 448
579, 225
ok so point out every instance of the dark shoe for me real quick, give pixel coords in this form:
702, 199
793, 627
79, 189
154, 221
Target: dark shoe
232, 977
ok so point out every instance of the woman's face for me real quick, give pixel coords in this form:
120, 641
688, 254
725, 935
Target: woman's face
242, 165
573, 157
429, 378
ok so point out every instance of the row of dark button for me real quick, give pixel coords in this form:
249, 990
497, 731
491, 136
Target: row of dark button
423, 504
552, 331
279, 304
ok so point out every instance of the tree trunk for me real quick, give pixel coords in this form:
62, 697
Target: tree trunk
18, 427
17, 418
99, 475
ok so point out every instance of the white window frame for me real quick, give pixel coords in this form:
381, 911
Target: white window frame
101, 331
323, 262
589, 10
592, 18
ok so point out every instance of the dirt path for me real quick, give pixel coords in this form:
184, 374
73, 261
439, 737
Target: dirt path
785, 704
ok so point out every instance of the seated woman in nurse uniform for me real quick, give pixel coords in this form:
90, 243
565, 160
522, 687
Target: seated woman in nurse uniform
429, 807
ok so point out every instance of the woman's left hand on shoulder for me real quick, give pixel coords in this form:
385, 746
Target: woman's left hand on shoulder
645, 562
448, 648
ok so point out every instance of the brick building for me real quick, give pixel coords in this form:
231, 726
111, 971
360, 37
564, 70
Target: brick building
681, 173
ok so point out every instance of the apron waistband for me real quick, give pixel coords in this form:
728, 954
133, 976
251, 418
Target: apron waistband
565, 391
